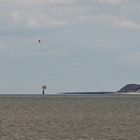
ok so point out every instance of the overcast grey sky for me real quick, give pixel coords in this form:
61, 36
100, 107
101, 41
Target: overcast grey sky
87, 45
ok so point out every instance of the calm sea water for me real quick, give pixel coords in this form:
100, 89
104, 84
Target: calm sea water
70, 117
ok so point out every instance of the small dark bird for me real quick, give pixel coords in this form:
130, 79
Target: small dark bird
39, 41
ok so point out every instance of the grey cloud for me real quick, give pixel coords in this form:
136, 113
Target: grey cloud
53, 13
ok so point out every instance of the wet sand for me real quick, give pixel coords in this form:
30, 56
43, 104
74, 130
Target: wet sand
70, 117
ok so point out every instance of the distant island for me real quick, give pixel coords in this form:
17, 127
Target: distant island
129, 88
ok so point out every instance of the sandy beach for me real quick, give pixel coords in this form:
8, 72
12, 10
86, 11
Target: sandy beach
69, 117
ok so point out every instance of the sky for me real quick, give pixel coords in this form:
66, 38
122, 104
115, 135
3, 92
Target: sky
86, 45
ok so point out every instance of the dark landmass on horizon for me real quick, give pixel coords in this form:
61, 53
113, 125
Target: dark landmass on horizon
87, 92
126, 89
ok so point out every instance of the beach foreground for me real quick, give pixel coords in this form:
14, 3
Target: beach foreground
70, 117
